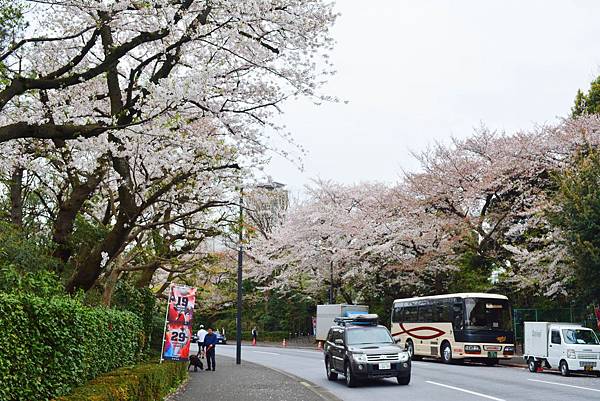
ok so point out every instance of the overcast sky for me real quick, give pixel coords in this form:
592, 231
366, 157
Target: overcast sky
416, 72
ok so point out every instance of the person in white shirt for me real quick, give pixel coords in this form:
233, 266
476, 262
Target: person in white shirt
201, 334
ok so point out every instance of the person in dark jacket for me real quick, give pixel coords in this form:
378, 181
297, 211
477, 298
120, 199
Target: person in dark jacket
210, 342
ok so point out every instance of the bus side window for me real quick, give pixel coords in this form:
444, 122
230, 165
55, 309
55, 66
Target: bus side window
457, 316
442, 312
425, 313
396, 314
410, 314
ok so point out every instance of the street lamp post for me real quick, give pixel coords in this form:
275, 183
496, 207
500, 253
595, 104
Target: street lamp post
238, 327
270, 186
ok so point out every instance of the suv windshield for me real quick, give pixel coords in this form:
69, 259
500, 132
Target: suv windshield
579, 336
491, 314
368, 335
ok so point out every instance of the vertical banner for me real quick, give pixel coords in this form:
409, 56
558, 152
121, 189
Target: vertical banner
178, 323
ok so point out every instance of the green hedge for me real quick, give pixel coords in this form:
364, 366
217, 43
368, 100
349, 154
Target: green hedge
50, 345
146, 382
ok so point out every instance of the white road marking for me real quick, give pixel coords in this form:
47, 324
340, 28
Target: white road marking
265, 352
565, 385
489, 397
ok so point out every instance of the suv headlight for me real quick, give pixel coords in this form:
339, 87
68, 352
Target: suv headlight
403, 357
362, 358
571, 354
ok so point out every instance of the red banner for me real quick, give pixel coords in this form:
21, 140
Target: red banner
178, 327
181, 305
177, 342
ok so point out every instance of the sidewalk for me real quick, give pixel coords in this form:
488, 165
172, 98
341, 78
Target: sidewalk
247, 381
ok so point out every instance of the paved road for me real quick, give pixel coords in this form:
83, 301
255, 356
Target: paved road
431, 381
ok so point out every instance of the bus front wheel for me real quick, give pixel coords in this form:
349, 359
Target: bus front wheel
446, 353
410, 348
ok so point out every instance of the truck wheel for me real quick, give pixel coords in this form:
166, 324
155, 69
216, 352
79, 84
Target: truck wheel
351, 380
564, 368
446, 353
330, 374
532, 365
403, 380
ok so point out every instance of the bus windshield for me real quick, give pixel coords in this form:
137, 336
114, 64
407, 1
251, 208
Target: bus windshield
487, 314
579, 336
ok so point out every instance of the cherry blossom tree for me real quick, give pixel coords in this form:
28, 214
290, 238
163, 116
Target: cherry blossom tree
482, 200
139, 116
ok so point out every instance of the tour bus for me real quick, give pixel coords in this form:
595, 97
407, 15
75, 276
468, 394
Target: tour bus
455, 327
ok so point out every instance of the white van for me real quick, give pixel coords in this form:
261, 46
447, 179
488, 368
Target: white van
564, 346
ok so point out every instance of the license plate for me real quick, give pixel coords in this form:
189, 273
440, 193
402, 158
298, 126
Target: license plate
385, 365
493, 354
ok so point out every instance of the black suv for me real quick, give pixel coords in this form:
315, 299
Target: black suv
359, 348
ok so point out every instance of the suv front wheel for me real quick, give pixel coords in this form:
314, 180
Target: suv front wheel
330, 374
350, 378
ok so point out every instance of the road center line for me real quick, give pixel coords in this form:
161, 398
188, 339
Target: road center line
565, 385
265, 352
489, 397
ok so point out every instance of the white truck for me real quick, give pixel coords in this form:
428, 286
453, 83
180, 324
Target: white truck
326, 314
567, 347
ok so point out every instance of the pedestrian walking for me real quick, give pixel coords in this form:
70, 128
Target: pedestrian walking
210, 342
201, 334
254, 335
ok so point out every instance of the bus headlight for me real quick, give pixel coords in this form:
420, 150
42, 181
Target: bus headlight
473, 349
362, 358
571, 354
403, 356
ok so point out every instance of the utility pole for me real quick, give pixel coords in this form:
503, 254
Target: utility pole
331, 297
238, 334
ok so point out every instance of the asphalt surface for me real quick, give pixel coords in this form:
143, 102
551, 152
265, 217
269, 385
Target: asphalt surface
431, 380
245, 382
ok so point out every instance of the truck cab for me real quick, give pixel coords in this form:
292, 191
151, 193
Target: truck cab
564, 346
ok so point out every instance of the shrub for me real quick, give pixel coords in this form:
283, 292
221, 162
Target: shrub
145, 382
141, 302
50, 345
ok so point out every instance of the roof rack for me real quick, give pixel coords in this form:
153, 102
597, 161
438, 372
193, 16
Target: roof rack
367, 319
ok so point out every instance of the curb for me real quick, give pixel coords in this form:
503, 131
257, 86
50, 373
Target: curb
318, 390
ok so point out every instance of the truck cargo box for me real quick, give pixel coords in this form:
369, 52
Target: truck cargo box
326, 314
536, 339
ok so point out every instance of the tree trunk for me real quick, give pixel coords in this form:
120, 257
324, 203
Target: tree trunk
109, 286
346, 296
16, 197
91, 266
65, 219
147, 274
